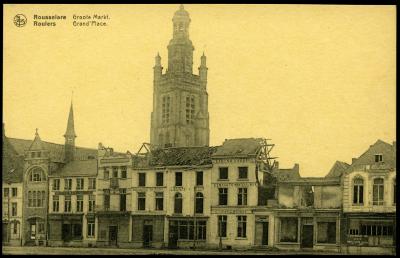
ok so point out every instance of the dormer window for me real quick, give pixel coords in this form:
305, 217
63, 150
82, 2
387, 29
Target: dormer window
378, 157
36, 175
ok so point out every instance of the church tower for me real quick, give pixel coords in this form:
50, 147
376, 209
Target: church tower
69, 147
180, 101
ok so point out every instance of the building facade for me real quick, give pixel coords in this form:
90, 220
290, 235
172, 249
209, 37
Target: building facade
369, 201
113, 198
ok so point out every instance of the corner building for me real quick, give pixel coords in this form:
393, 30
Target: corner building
180, 101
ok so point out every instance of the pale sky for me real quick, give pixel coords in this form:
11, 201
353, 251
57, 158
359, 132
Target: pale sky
318, 80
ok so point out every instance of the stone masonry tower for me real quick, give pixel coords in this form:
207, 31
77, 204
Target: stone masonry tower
180, 101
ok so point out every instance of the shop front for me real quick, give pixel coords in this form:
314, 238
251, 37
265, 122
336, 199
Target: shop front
370, 233
113, 228
148, 231
187, 232
65, 229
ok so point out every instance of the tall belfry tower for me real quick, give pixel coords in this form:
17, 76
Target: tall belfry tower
69, 147
180, 101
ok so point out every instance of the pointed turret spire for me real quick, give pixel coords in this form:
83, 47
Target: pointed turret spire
70, 126
37, 142
70, 136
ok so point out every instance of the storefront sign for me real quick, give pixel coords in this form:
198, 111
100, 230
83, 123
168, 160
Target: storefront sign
238, 184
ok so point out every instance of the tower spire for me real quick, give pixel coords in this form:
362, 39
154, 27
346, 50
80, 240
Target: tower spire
70, 136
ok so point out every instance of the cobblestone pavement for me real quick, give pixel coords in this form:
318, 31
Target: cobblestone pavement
29, 250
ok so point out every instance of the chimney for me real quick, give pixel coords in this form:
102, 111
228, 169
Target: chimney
296, 168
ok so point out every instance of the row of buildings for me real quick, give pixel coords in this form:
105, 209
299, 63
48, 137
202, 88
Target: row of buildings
179, 192
225, 196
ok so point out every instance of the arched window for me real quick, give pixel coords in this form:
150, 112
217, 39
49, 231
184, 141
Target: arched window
178, 203
190, 109
199, 202
358, 191
377, 195
36, 175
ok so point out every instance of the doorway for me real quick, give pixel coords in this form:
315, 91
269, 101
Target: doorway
307, 237
113, 235
264, 240
173, 235
32, 231
147, 235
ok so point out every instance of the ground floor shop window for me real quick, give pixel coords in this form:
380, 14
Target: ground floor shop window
187, 228
326, 232
288, 230
71, 231
376, 230
241, 226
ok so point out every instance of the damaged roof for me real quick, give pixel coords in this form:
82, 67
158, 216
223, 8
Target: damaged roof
288, 174
12, 164
181, 156
337, 169
77, 168
241, 147
56, 151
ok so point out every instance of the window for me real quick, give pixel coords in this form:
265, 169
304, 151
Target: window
141, 201
241, 229
92, 183
79, 184
77, 229
201, 230
178, 203
14, 209
223, 173
92, 203
199, 178
378, 158
243, 172
326, 232
79, 203
222, 221
106, 199
56, 184
6, 192
358, 191
199, 203
56, 203
36, 175
122, 199
186, 229
377, 198
36, 198
166, 101
41, 228
15, 228
223, 196
123, 172
242, 196
288, 230
377, 230
190, 109
159, 179
159, 201
14, 192
106, 174
115, 172
67, 184
67, 203
90, 228
178, 178
142, 179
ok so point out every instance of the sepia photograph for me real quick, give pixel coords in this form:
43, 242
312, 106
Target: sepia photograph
199, 129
